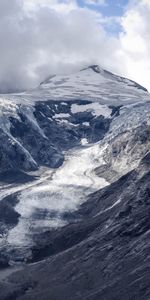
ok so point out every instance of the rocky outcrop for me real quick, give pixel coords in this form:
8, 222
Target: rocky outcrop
124, 152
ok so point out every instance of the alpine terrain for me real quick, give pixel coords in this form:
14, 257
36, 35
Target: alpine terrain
74, 189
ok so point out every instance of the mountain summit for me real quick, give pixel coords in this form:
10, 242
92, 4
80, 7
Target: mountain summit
92, 83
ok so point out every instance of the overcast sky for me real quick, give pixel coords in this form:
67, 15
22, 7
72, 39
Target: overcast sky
43, 37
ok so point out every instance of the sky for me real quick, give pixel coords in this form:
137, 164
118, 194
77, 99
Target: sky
107, 8
43, 37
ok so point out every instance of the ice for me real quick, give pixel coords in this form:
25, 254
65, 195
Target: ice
96, 108
65, 192
61, 116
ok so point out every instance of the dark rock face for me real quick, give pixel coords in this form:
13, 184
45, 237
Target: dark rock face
30, 145
8, 215
16, 177
63, 135
13, 156
40, 148
8, 219
105, 255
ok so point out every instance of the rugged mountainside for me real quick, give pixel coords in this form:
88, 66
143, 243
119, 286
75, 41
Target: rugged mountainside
36, 127
104, 256
74, 189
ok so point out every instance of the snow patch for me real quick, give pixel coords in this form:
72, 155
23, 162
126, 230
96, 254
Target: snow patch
86, 123
84, 142
96, 108
61, 116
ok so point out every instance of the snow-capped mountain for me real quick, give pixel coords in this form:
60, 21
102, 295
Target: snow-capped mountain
36, 127
72, 136
92, 83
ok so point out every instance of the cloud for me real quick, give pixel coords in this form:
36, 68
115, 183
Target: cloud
42, 37
60, 6
36, 40
135, 42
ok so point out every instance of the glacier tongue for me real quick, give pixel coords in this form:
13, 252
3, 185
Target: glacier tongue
44, 204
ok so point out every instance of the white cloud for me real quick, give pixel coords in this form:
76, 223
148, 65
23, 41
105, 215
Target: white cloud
40, 37
135, 42
59, 6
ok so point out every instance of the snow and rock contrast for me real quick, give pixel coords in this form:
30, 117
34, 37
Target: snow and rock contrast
36, 127
73, 153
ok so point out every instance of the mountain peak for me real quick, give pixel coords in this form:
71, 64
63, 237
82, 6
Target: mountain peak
92, 82
95, 68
